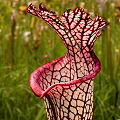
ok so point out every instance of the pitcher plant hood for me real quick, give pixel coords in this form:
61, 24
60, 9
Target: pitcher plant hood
78, 31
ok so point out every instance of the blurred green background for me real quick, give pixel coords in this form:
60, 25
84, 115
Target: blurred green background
26, 42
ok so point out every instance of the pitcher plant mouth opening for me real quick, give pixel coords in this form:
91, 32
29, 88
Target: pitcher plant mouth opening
39, 92
57, 81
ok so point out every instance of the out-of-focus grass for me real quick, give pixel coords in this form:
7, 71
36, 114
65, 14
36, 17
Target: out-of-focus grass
27, 42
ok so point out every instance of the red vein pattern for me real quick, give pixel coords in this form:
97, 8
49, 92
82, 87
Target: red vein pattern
66, 83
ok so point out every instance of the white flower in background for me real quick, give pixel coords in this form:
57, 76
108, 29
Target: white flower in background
26, 35
46, 27
101, 5
34, 2
17, 27
102, 1
116, 50
82, 4
113, 5
91, 13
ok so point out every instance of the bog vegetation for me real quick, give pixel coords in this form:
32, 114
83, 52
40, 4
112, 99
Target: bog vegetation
26, 42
